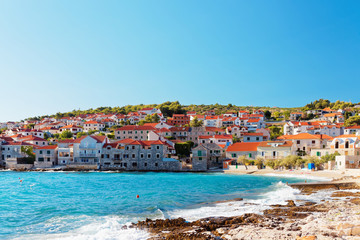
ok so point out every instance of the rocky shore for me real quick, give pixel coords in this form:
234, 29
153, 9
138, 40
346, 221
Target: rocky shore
335, 218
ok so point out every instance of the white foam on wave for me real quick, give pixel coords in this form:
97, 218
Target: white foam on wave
104, 228
305, 175
280, 194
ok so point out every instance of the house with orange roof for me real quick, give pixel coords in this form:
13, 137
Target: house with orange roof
71, 128
243, 113
212, 121
150, 110
93, 126
133, 132
179, 120
348, 144
236, 131
13, 157
217, 139
46, 157
352, 130
206, 156
294, 116
275, 149
313, 127
65, 151
230, 121
254, 123
304, 142
230, 114
87, 151
333, 117
253, 137
33, 140
137, 155
248, 149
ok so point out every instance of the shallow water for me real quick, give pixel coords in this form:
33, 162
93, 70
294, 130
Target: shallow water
73, 205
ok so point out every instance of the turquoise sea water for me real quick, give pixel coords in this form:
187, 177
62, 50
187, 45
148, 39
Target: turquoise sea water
72, 205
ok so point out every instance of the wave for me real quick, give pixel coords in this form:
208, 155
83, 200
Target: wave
279, 194
93, 228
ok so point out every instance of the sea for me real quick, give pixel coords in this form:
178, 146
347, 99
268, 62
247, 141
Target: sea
98, 205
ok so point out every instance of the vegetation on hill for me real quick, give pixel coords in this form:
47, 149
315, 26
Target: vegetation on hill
324, 103
169, 108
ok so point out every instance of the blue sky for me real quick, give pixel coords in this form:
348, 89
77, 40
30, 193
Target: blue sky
64, 55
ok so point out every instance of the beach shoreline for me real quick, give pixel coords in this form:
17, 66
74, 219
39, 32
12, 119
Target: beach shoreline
334, 217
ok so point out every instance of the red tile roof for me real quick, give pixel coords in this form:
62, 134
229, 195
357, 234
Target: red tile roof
243, 147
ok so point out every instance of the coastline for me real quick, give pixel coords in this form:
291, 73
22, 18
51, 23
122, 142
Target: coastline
326, 210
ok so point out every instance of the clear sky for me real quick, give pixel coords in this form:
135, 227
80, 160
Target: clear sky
61, 55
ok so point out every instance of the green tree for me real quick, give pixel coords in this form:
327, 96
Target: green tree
29, 152
66, 135
267, 114
46, 136
30, 126
196, 122
80, 134
183, 149
351, 121
243, 160
259, 162
275, 131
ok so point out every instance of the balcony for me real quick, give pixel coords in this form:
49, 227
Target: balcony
90, 155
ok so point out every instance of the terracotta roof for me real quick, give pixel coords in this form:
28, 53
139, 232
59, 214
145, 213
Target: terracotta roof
243, 147
354, 127
92, 122
99, 139
71, 126
281, 143
125, 141
31, 138
253, 134
347, 136
305, 136
133, 128
48, 147
147, 143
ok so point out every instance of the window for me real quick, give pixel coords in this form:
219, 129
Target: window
41, 152
347, 144
257, 138
141, 155
200, 158
313, 141
158, 155
40, 159
149, 155
134, 164
157, 147
250, 155
233, 155
248, 138
337, 145
48, 152
298, 142
156, 164
133, 155
318, 154
145, 164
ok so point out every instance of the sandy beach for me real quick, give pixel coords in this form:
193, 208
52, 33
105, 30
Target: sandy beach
332, 211
326, 174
